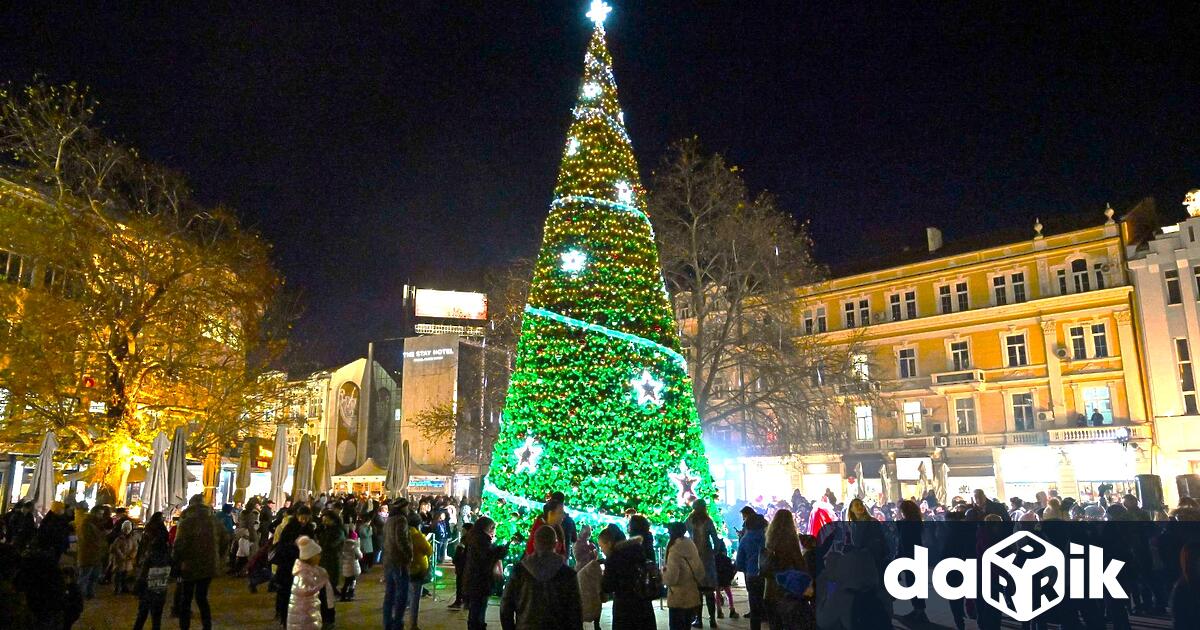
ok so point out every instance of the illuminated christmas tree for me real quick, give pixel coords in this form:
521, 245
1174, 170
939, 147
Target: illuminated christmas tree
600, 405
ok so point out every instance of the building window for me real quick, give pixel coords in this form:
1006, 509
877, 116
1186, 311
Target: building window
1079, 274
894, 302
864, 424
964, 413
1022, 408
910, 304
1062, 282
912, 417
1097, 401
960, 355
1173, 294
808, 323
1196, 273
1018, 287
908, 363
945, 299
16, 269
960, 293
860, 366
821, 327
1015, 347
1099, 269
1000, 290
1187, 379
685, 309
1099, 341
850, 313
864, 312
1078, 343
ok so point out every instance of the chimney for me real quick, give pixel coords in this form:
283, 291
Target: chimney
934, 237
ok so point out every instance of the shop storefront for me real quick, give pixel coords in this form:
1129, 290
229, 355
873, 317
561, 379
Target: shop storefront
908, 475
1100, 464
819, 477
869, 483
969, 472
1027, 471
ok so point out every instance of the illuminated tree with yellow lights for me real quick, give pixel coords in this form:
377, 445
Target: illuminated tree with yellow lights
599, 405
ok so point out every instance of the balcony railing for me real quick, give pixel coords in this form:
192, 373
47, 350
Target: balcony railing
1025, 438
1100, 434
959, 376
916, 442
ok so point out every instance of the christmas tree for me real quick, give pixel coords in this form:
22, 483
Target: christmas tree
600, 404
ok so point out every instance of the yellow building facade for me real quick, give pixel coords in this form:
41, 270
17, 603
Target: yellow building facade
1007, 363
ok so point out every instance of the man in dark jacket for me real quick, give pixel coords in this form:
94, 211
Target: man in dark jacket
750, 544
397, 554
624, 565
543, 592
285, 554
196, 550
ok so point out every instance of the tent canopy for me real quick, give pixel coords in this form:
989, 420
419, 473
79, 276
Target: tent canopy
368, 470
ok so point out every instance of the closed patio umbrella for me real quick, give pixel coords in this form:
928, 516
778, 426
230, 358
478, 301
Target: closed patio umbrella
177, 475
396, 480
242, 483
155, 487
41, 487
322, 477
887, 483
303, 474
861, 491
940, 482
279, 466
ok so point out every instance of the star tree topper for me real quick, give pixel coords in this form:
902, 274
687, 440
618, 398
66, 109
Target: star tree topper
598, 11
527, 455
648, 389
685, 484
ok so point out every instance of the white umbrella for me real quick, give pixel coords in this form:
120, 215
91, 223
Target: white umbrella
279, 466
41, 487
155, 488
302, 477
395, 480
886, 480
940, 481
861, 491
322, 479
177, 470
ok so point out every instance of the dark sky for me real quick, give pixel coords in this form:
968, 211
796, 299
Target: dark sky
418, 141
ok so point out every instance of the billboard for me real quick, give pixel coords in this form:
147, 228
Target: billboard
450, 304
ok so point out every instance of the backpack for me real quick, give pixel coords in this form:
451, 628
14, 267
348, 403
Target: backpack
649, 584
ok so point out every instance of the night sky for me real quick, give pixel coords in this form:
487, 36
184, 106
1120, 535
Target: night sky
419, 141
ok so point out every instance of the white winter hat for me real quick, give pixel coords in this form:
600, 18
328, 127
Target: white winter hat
308, 547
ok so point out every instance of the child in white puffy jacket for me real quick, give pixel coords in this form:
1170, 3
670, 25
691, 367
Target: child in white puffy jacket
351, 554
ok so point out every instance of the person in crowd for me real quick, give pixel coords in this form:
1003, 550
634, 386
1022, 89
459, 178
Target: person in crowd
267, 520
366, 541
14, 612
153, 574
89, 548
588, 574
310, 605
909, 530
397, 556
123, 556
1185, 593
331, 535
639, 526
460, 563
285, 554
196, 553
543, 593
553, 513
703, 532
420, 568
54, 532
569, 529
441, 534
625, 564
482, 570
378, 517
243, 548
682, 573
351, 558
726, 571
781, 554
751, 542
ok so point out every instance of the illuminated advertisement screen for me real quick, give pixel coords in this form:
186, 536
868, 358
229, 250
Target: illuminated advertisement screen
451, 304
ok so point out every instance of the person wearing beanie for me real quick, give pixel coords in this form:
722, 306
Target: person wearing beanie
123, 555
311, 603
543, 593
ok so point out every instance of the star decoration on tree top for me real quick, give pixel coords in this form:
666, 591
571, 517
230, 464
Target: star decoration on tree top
598, 11
685, 484
647, 389
527, 455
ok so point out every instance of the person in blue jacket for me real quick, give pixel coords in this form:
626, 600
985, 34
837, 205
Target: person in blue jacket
751, 540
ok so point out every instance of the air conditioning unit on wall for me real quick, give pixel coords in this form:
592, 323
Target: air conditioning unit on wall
1045, 416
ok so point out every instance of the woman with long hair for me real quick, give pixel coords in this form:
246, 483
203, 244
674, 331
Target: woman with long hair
781, 554
1185, 596
480, 571
703, 533
909, 529
682, 577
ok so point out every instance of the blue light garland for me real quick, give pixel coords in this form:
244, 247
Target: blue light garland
581, 516
604, 330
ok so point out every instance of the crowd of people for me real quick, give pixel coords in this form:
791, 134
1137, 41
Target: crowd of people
310, 555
